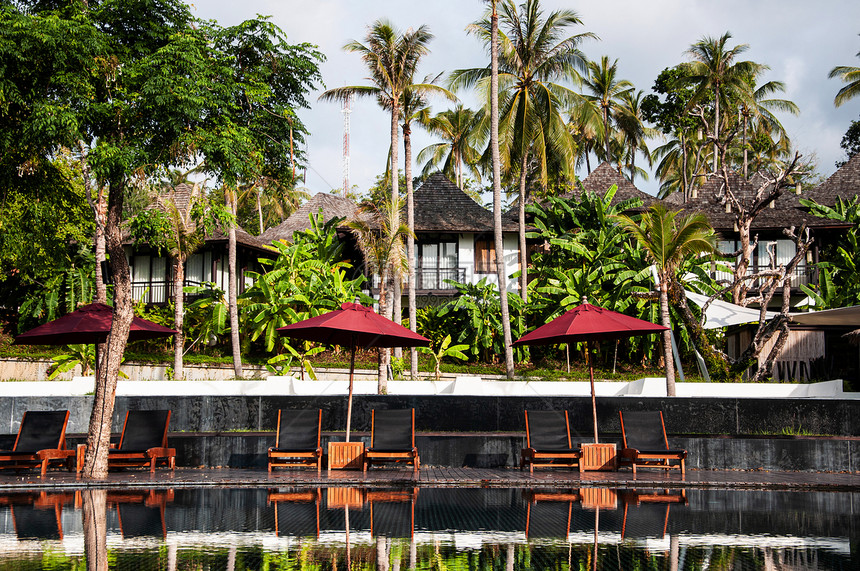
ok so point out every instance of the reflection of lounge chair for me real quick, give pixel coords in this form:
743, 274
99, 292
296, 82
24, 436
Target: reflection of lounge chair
297, 514
143, 441
645, 442
548, 514
392, 438
41, 440
548, 440
33, 522
645, 520
297, 442
392, 513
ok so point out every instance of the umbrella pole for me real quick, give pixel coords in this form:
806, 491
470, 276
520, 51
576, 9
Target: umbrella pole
591, 378
349, 400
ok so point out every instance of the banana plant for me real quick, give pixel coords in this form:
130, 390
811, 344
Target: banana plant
445, 350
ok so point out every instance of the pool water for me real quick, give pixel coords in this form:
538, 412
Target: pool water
429, 529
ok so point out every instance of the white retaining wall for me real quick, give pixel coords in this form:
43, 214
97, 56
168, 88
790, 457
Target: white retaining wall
464, 385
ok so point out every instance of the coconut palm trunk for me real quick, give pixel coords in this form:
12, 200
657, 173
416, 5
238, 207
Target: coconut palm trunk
497, 192
410, 246
232, 288
666, 321
521, 212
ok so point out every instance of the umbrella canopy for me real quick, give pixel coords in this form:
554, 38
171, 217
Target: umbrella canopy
353, 325
587, 323
88, 325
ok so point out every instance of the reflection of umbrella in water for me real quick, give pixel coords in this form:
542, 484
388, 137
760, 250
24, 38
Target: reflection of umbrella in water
89, 325
587, 323
353, 325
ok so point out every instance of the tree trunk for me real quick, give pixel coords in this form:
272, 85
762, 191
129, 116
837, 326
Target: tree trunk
741, 286
99, 431
95, 529
178, 316
716, 126
497, 193
667, 336
232, 289
410, 247
521, 227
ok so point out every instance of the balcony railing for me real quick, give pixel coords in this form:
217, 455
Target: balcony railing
159, 291
803, 275
432, 278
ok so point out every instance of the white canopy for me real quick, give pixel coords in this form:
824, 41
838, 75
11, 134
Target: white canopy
722, 313
841, 316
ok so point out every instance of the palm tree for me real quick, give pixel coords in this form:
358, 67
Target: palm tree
495, 157
714, 70
380, 236
391, 58
534, 53
757, 113
605, 93
668, 243
849, 75
633, 129
462, 138
414, 107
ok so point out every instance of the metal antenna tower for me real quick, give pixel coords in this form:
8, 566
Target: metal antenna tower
347, 109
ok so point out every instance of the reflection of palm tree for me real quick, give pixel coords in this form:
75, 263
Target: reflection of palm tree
462, 138
668, 242
849, 75
715, 71
533, 54
605, 93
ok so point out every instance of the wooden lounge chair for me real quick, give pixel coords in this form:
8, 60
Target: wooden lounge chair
548, 441
297, 442
645, 442
143, 441
41, 440
392, 438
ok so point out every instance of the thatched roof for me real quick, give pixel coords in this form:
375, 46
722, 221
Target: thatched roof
844, 184
330, 205
441, 206
603, 177
710, 200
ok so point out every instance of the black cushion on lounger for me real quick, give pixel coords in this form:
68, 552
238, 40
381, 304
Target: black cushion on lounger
297, 519
144, 429
138, 520
40, 430
392, 519
392, 430
298, 430
644, 431
548, 430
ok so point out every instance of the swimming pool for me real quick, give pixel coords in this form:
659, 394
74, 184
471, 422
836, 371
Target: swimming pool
430, 528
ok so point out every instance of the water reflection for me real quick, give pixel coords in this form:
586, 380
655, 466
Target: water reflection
429, 528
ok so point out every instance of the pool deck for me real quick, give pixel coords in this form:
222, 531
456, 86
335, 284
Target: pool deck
437, 477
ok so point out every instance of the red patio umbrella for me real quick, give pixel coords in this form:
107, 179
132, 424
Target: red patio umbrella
353, 325
88, 325
587, 323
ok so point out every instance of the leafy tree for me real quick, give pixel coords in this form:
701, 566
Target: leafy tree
153, 88
668, 243
850, 142
535, 52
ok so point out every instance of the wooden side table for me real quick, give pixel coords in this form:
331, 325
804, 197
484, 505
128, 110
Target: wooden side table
598, 457
345, 455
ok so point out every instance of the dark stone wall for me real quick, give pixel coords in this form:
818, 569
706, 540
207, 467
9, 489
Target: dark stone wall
457, 413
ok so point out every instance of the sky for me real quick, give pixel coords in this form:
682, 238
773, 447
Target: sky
800, 40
